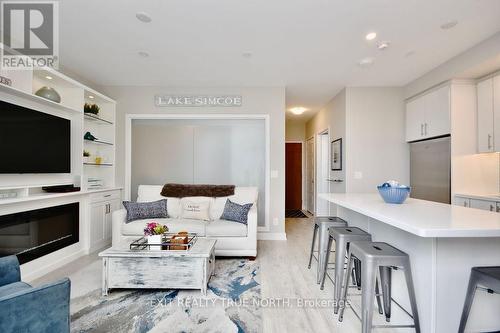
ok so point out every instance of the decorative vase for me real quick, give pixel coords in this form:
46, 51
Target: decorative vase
154, 239
49, 93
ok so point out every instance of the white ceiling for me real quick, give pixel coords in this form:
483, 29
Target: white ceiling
310, 46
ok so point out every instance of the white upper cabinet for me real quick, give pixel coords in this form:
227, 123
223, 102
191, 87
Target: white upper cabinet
415, 118
485, 117
428, 116
496, 112
488, 115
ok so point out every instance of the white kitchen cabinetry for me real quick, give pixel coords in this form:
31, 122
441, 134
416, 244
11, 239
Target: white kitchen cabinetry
461, 201
488, 115
485, 117
428, 115
483, 204
102, 205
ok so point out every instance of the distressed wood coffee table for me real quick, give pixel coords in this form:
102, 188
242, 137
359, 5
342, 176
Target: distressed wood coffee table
158, 269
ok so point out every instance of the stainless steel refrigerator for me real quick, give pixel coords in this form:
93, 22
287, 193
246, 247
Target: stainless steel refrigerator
430, 162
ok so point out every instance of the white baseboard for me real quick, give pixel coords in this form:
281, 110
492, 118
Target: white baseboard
271, 236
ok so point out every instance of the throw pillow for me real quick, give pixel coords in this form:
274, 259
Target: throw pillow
145, 210
196, 210
235, 212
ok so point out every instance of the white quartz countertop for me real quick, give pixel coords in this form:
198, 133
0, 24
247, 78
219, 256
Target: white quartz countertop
420, 217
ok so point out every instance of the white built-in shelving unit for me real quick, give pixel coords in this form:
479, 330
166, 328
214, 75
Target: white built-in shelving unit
73, 97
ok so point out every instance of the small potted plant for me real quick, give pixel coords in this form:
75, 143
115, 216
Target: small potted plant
86, 155
91, 108
154, 232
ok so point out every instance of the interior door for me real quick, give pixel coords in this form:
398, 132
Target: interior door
293, 176
310, 175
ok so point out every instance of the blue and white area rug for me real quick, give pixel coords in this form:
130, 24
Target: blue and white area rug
232, 304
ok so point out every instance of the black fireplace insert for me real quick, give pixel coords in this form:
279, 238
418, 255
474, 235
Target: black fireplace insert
35, 233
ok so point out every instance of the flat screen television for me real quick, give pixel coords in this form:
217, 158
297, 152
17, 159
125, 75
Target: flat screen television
33, 141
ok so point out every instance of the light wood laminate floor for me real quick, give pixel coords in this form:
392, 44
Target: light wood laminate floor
284, 276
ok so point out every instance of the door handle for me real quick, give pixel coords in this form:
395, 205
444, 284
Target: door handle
335, 180
421, 129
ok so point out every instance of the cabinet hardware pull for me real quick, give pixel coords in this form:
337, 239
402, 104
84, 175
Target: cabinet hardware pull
498, 209
465, 203
489, 141
425, 128
107, 195
491, 208
421, 129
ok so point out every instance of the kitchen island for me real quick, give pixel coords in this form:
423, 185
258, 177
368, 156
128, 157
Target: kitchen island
443, 242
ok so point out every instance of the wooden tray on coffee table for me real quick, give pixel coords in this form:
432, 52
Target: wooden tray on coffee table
167, 244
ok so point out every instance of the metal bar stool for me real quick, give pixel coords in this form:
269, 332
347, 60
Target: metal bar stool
321, 226
378, 257
487, 277
343, 236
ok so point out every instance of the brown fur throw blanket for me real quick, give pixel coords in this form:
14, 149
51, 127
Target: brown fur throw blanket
187, 190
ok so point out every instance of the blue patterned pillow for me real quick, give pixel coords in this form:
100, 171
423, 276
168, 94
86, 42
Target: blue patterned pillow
235, 212
145, 210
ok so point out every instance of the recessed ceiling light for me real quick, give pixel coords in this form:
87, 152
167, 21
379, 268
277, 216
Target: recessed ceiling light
366, 61
143, 54
298, 110
449, 24
48, 77
91, 97
246, 54
383, 45
371, 36
143, 17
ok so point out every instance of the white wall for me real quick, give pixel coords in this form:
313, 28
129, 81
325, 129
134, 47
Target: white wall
333, 118
200, 151
371, 123
271, 101
376, 144
475, 62
295, 130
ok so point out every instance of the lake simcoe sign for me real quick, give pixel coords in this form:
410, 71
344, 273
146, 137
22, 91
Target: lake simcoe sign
197, 100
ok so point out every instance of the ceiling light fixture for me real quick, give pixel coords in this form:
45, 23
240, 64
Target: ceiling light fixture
143, 17
298, 110
449, 24
143, 54
371, 36
383, 45
366, 61
48, 77
91, 97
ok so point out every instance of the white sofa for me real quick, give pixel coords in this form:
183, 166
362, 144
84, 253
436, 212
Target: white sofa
233, 238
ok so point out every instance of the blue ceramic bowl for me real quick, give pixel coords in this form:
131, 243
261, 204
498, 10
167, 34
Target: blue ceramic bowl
394, 195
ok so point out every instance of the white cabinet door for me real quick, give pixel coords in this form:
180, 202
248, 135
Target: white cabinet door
483, 204
97, 217
485, 139
111, 207
415, 119
437, 113
461, 201
496, 112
